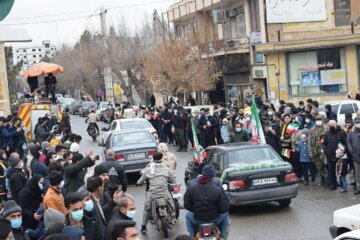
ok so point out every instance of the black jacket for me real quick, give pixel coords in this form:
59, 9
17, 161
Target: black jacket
100, 222
206, 201
117, 216
331, 142
273, 141
29, 201
117, 175
88, 226
19, 234
74, 174
17, 181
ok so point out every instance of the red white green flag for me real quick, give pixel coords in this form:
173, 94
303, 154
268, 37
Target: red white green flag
285, 152
293, 127
199, 152
257, 130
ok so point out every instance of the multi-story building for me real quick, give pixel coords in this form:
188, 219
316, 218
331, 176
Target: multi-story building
31, 54
312, 49
228, 31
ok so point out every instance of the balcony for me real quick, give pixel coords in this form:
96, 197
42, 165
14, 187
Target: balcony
221, 47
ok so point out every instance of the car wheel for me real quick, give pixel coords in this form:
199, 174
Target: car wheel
285, 202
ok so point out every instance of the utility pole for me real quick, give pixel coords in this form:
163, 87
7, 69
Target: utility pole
103, 21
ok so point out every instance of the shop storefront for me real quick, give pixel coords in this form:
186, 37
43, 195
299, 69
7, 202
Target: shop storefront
315, 72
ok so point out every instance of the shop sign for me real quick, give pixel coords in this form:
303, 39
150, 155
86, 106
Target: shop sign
316, 67
117, 89
255, 38
286, 11
346, 11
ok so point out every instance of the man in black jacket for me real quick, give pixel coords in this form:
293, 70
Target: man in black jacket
15, 175
206, 203
334, 138
117, 175
125, 210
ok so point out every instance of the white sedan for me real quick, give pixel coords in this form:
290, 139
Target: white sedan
353, 235
129, 123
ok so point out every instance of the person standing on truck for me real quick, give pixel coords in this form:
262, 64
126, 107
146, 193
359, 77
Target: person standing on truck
50, 84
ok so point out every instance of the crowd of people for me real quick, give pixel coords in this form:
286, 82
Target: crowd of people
47, 194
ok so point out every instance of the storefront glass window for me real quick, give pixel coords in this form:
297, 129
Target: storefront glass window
317, 72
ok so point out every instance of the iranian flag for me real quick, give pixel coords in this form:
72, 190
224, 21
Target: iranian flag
257, 130
199, 152
293, 127
285, 152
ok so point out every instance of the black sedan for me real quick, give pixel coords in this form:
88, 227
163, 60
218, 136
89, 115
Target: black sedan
134, 148
250, 174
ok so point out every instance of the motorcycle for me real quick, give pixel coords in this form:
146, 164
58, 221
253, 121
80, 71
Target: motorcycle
174, 189
208, 231
92, 132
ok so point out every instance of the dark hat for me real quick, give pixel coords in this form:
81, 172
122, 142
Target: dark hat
100, 169
206, 110
5, 226
208, 171
13, 160
34, 148
55, 178
357, 120
10, 207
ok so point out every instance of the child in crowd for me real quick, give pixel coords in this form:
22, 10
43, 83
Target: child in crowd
342, 169
305, 159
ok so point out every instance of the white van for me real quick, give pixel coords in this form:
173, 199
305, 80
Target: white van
342, 107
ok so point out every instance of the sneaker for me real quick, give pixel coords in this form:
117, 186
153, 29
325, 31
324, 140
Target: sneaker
332, 188
305, 183
143, 229
343, 190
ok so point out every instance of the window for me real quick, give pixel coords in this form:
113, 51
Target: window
113, 126
47, 45
17, 51
235, 24
320, 71
39, 49
40, 55
34, 56
18, 57
346, 108
356, 107
24, 57
25, 62
33, 49
259, 58
24, 50
255, 16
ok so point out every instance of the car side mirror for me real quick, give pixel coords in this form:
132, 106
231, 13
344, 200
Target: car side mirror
104, 129
191, 164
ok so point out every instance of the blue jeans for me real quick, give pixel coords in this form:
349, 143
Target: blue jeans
308, 166
222, 221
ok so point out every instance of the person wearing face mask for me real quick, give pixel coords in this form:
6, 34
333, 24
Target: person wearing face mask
334, 138
301, 107
15, 175
77, 224
315, 146
30, 198
309, 123
53, 197
125, 210
239, 134
95, 186
225, 131
13, 212
353, 144
305, 159
295, 141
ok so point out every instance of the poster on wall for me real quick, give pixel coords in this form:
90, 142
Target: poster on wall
286, 11
310, 79
346, 11
332, 77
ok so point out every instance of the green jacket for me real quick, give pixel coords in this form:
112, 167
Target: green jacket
74, 174
239, 136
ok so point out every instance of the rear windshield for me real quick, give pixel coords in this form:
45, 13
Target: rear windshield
132, 138
251, 156
134, 125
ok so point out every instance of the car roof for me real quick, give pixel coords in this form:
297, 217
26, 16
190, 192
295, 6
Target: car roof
132, 120
115, 132
236, 146
341, 102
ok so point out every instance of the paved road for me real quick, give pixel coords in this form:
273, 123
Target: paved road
308, 217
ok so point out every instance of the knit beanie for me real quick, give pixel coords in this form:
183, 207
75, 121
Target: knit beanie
74, 147
5, 226
10, 207
55, 178
44, 144
53, 216
208, 171
100, 169
13, 161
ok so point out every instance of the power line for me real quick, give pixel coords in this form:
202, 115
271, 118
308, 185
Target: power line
48, 15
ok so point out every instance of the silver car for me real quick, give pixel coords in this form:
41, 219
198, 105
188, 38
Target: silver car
134, 148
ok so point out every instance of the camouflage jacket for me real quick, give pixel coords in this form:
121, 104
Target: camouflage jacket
316, 133
158, 176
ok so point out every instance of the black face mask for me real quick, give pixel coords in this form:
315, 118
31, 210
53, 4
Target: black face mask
333, 129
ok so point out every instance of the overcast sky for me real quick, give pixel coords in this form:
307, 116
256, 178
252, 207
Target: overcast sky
77, 14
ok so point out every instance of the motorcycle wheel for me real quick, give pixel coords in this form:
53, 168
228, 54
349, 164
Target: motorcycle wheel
177, 208
164, 227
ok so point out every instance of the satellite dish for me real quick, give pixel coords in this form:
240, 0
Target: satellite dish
5, 7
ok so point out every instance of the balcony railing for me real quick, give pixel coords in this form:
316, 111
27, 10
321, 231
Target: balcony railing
218, 46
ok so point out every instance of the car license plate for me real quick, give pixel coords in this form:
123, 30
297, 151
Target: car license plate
177, 195
264, 181
135, 156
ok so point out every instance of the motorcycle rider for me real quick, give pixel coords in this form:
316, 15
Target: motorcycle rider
206, 203
92, 120
158, 176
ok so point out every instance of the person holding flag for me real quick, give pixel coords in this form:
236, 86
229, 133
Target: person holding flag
288, 128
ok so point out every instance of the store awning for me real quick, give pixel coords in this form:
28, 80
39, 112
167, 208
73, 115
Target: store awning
313, 43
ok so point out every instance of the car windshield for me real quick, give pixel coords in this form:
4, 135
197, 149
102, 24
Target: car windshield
251, 156
132, 138
88, 104
134, 125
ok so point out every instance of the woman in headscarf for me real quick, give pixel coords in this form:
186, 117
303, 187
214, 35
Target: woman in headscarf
169, 158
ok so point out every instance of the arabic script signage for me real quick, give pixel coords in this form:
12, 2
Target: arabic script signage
285, 11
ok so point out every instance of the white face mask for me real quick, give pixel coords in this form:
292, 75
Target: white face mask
357, 125
307, 120
319, 123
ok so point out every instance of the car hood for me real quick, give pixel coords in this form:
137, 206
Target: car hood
348, 217
134, 146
